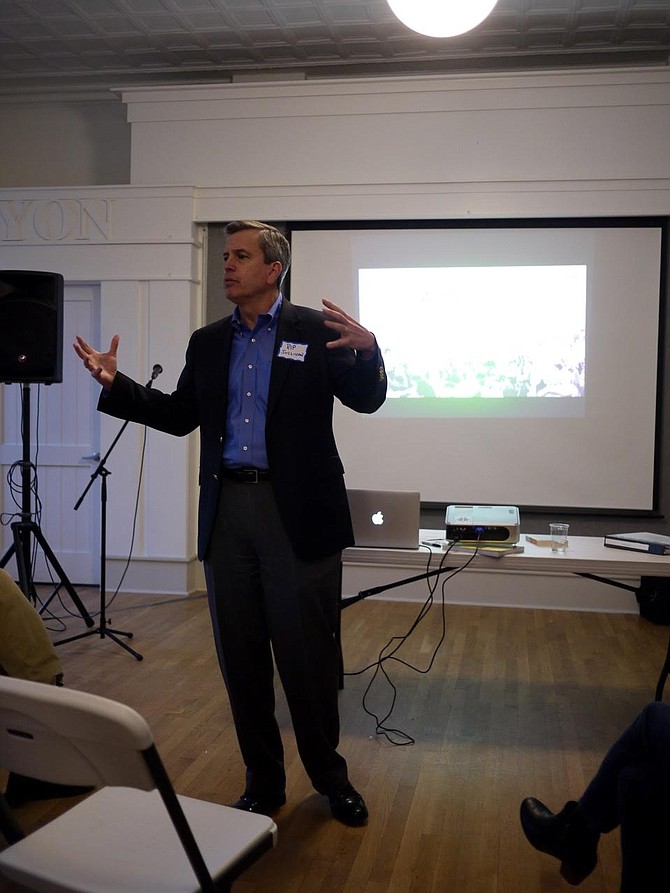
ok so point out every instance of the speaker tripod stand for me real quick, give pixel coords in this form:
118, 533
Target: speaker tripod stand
27, 529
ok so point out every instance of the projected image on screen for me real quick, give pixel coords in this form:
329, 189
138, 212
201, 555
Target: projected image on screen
500, 340
523, 360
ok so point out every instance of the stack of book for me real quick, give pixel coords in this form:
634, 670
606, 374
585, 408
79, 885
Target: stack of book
492, 550
538, 540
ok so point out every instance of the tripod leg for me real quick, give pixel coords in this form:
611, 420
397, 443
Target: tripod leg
112, 634
105, 633
53, 561
22, 554
7, 556
45, 605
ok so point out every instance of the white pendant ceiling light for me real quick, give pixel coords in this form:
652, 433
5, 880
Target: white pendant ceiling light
442, 18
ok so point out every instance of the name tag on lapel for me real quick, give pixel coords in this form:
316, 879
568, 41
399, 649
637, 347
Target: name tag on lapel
292, 350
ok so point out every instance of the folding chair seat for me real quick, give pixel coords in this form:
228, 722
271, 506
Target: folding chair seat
133, 834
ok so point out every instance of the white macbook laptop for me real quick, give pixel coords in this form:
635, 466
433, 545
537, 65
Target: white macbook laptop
385, 518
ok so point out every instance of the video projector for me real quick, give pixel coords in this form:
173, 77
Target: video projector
483, 524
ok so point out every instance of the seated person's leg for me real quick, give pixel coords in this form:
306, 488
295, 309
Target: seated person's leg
644, 795
26, 651
615, 796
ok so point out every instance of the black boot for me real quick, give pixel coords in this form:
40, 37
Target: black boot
566, 836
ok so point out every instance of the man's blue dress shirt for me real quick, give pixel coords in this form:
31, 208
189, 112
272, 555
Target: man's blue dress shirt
248, 386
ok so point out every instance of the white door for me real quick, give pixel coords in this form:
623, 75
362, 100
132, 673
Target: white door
64, 444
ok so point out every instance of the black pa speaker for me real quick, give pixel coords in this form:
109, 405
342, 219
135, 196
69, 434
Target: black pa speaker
31, 326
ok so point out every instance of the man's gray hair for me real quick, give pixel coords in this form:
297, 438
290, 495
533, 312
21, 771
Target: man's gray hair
273, 244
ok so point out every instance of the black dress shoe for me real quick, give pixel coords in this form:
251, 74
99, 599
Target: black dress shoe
261, 805
348, 807
566, 836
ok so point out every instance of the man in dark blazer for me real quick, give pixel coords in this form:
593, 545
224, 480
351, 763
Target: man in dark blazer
273, 514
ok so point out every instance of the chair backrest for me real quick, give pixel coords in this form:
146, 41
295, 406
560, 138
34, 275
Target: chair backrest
75, 738
71, 737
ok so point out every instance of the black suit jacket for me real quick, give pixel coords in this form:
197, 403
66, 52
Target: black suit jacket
306, 469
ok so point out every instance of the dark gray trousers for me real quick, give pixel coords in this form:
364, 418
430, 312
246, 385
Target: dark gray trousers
265, 601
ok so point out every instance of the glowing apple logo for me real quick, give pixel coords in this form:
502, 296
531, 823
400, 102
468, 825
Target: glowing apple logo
378, 518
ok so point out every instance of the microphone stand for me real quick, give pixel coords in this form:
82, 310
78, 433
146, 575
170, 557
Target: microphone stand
104, 630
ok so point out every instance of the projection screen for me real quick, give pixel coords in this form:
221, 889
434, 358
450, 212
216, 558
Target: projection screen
522, 360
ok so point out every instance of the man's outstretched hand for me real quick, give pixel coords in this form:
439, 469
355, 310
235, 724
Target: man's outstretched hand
102, 366
352, 333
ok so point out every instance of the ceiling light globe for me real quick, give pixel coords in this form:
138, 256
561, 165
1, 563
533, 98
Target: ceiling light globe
442, 18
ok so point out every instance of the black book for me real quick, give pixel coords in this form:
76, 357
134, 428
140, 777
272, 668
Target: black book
639, 541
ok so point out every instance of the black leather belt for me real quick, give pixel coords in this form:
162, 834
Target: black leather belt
246, 475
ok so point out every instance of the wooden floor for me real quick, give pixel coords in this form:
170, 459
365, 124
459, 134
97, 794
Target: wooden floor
517, 702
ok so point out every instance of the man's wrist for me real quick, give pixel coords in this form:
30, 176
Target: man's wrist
370, 353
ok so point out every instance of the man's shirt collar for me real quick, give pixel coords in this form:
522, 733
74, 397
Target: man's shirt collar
268, 318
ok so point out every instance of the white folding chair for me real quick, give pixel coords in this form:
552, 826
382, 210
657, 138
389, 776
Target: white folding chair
133, 834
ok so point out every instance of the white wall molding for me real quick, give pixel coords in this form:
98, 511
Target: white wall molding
447, 129
441, 201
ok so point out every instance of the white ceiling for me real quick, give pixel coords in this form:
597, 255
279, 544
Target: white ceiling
58, 44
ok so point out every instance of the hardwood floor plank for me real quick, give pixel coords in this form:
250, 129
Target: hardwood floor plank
516, 702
